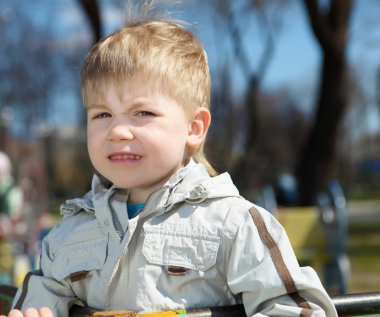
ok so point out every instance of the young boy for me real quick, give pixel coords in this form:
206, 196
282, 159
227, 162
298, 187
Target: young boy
159, 229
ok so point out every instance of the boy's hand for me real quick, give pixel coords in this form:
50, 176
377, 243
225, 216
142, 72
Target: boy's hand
31, 312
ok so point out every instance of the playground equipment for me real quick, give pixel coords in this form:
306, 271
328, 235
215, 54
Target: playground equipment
356, 304
318, 234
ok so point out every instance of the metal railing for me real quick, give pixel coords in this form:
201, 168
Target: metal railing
355, 304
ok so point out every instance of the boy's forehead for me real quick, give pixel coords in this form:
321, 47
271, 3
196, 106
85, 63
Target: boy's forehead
138, 90
135, 85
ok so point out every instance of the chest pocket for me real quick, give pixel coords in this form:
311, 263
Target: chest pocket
83, 256
181, 249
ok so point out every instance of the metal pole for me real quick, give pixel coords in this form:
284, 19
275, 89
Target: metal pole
357, 304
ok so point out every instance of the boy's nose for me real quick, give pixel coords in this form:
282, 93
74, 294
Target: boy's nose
120, 132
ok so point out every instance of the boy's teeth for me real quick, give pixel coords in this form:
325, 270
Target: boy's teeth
125, 157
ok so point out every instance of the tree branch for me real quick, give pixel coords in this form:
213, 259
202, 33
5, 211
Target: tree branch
91, 9
330, 28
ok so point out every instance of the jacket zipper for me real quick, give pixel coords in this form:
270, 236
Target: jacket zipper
116, 224
149, 199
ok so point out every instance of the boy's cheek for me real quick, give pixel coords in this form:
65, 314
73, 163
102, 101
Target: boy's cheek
94, 136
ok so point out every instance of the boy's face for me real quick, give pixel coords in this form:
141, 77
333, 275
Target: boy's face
136, 136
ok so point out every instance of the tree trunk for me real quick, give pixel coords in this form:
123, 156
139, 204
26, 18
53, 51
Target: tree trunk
318, 158
317, 161
91, 9
242, 171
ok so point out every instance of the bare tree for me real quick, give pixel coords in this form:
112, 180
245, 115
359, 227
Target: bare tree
236, 17
27, 74
317, 162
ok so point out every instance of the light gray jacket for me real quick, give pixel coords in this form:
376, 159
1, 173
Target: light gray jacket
196, 243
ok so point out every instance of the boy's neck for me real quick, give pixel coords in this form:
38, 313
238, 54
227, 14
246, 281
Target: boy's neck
139, 196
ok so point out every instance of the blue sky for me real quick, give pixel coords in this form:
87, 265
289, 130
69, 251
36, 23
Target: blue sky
296, 60
297, 53
294, 66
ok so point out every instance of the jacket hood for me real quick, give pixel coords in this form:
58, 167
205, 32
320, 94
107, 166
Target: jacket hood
191, 183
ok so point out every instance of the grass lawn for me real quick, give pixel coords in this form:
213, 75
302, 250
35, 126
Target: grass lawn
364, 253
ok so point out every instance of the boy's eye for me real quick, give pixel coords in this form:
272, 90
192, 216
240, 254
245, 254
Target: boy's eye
145, 113
102, 115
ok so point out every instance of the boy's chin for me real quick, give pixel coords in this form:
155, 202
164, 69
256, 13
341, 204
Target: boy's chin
112, 181
121, 185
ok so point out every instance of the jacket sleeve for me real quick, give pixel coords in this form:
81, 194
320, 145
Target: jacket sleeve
264, 270
40, 289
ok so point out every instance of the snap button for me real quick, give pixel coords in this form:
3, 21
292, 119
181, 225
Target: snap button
197, 195
69, 209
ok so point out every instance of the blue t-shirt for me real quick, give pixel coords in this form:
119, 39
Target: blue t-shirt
133, 209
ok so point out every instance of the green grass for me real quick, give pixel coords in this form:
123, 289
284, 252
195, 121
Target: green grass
364, 252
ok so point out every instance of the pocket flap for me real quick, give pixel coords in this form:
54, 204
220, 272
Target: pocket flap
192, 251
82, 256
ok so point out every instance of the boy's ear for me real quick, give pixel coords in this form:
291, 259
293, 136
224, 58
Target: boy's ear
198, 127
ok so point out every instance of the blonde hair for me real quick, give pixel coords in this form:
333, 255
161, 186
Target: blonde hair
160, 50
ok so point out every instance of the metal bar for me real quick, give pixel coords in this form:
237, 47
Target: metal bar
356, 304
346, 305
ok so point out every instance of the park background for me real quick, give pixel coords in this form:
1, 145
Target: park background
296, 101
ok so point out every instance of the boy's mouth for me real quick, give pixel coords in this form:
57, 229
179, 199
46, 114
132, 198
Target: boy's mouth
123, 156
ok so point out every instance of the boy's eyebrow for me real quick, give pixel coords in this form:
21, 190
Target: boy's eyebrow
141, 102
93, 106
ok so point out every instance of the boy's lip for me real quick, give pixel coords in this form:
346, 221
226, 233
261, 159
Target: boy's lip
123, 156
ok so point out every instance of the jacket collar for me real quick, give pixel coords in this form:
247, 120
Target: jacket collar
194, 185
191, 184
